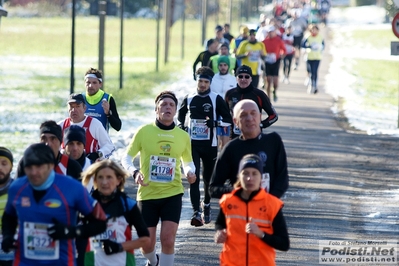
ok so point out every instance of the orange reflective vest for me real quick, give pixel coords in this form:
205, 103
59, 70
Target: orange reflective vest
241, 248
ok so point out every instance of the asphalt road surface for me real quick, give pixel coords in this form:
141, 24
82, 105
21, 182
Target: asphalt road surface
343, 182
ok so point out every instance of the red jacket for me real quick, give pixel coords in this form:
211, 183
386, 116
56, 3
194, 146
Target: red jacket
275, 45
241, 248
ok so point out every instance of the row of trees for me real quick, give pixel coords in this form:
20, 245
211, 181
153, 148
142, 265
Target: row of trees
193, 7
391, 8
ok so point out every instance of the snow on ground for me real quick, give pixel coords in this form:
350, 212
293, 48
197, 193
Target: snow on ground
339, 81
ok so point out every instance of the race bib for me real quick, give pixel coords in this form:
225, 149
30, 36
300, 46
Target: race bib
296, 30
289, 48
271, 58
110, 233
265, 183
95, 242
254, 56
315, 47
199, 130
162, 169
38, 245
236, 130
3, 255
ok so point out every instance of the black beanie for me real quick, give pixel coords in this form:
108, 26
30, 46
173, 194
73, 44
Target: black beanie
52, 129
74, 133
38, 154
244, 70
251, 160
4, 152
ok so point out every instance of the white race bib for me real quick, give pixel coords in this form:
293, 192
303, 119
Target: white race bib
236, 130
271, 58
199, 130
289, 48
38, 245
162, 169
315, 47
254, 56
265, 183
110, 233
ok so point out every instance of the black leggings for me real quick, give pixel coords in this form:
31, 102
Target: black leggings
313, 67
287, 64
255, 81
208, 156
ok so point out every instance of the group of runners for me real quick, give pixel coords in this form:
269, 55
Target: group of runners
289, 36
69, 172
214, 134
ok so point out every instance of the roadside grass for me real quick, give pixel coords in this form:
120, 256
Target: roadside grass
375, 38
48, 42
377, 80
35, 68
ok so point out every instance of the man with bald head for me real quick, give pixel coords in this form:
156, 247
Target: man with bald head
269, 147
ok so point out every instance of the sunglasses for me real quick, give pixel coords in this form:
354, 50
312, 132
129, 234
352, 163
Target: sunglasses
244, 76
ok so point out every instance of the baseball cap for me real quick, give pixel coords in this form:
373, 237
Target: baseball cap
271, 28
244, 30
224, 45
38, 154
219, 28
244, 69
76, 98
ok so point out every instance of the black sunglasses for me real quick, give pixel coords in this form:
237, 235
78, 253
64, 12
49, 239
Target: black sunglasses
243, 76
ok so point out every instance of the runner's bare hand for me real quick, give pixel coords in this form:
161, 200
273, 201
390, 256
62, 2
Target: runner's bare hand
191, 177
140, 179
105, 106
220, 236
252, 228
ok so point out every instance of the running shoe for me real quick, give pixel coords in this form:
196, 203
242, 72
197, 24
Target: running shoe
196, 219
275, 96
315, 90
149, 264
206, 215
309, 89
307, 81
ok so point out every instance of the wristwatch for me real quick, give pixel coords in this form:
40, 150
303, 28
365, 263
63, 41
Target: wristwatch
100, 154
135, 173
109, 113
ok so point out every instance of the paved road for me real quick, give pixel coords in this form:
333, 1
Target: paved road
343, 183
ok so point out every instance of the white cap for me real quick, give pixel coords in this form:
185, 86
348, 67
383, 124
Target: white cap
271, 28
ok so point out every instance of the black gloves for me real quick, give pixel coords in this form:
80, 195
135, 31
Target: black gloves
111, 247
210, 123
264, 124
8, 244
182, 127
93, 156
60, 231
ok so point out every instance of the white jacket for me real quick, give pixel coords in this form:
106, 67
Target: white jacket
222, 83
